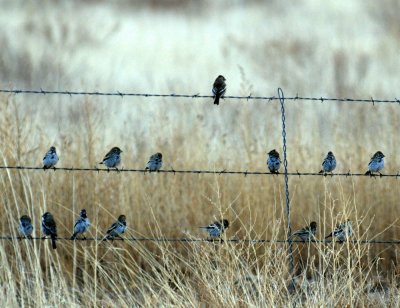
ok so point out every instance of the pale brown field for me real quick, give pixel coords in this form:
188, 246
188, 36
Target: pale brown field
338, 49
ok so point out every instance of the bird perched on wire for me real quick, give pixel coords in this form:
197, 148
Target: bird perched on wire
307, 233
82, 224
273, 161
376, 164
49, 228
25, 227
217, 228
342, 231
155, 162
116, 229
50, 159
219, 88
112, 158
329, 163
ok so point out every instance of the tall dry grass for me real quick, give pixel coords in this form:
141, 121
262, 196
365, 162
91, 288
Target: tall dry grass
95, 46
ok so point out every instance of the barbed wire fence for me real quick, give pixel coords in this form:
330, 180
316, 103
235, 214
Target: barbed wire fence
204, 240
321, 99
245, 173
215, 172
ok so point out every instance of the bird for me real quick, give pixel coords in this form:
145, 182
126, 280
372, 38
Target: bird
329, 163
112, 158
273, 161
307, 233
216, 228
82, 224
342, 231
116, 229
376, 164
155, 162
219, 88
50, 159
49, 228
25, 227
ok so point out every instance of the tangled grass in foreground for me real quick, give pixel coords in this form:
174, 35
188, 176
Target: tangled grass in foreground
192, 274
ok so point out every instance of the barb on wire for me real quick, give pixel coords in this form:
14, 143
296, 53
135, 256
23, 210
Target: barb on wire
205, 240
222, 172
41, 91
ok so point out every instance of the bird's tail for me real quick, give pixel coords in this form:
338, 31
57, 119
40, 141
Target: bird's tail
53, 241
368, 173
100, 163
322, 171
330, 235
216, 101
73, 237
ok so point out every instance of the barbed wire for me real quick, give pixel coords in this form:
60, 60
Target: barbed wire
218, 172
197, 95
205, 240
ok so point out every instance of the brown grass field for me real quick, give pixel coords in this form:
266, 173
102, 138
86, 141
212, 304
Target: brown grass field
338, 49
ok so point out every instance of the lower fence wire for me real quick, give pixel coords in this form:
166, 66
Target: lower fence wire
205, 240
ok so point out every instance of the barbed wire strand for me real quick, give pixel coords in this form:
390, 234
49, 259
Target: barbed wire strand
285, 165
218, 172
191, 240
174, 95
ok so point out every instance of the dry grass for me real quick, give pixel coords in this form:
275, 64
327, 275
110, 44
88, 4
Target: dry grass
103, 47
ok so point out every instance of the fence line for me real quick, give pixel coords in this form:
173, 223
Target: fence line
173, 95
191, 240
289, 241
221, 172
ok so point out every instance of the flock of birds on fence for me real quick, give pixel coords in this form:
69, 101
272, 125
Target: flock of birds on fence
214, 230
82, 224
113, 159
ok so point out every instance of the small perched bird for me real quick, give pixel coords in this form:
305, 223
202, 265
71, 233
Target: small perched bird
82, 224
307, 233
342, 231
25, 227
49, 228
376, 164
216, 228
273, 161
155, 162
112, 158
116, 229
50, 159
329, 163
219, 88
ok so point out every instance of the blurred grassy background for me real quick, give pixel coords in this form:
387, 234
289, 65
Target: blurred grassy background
336, 49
